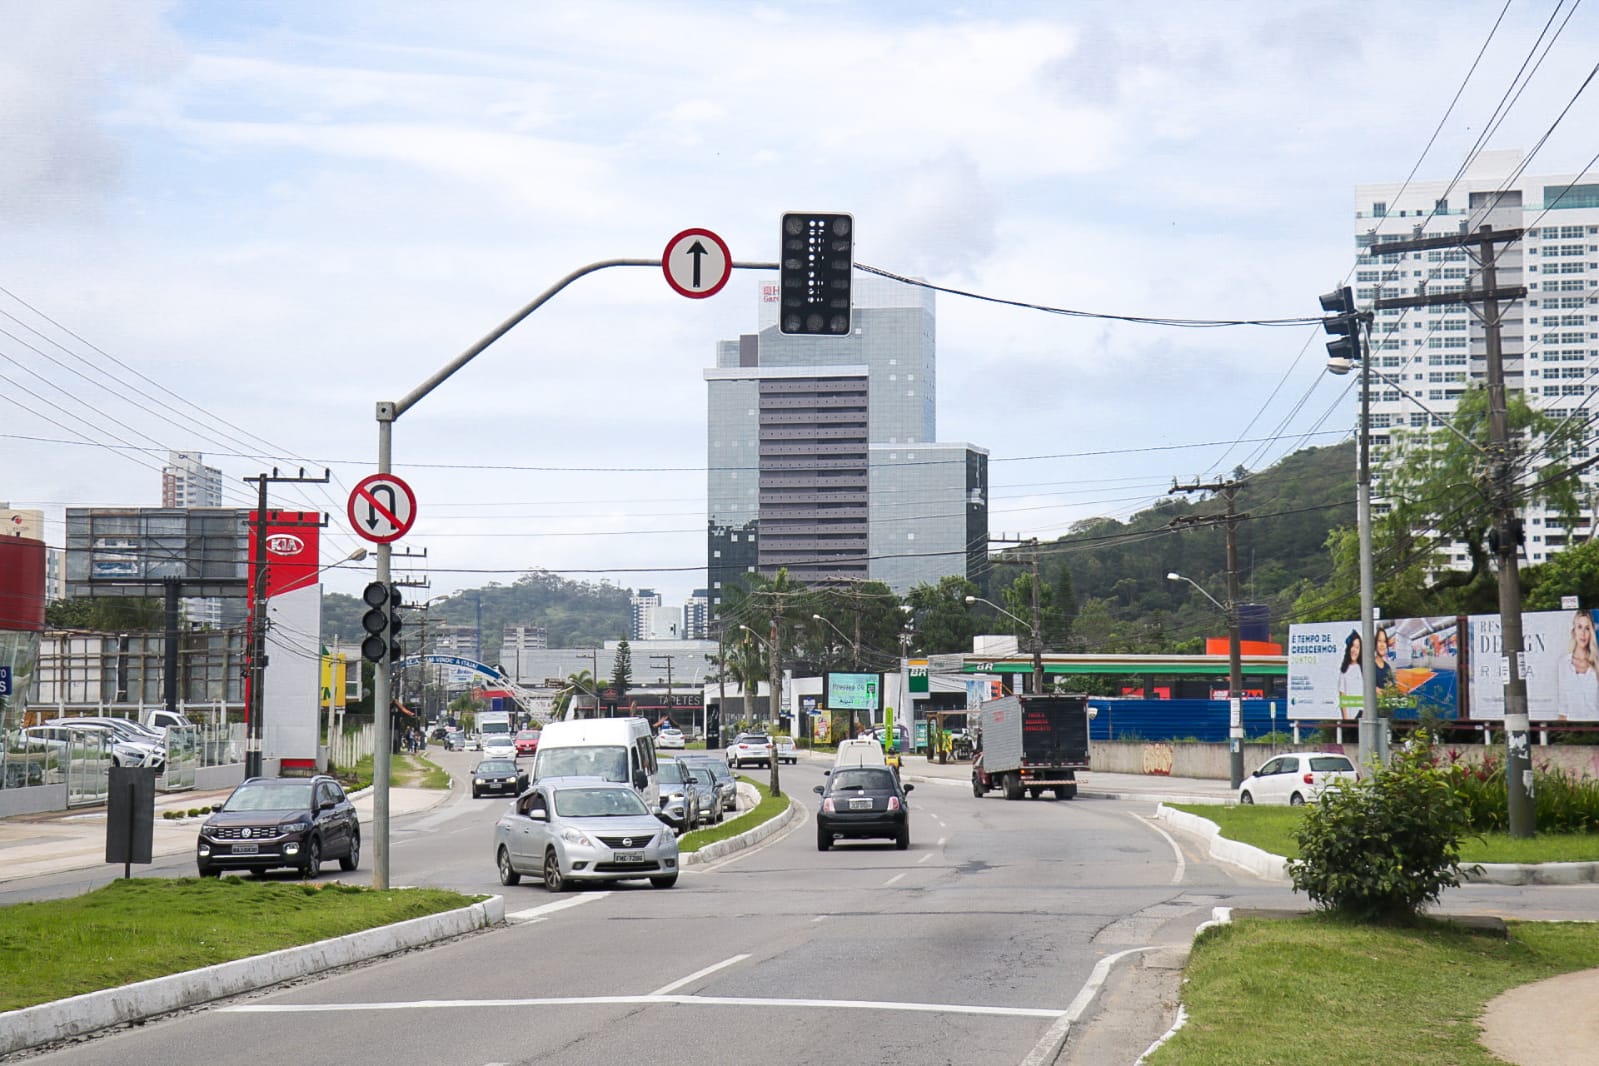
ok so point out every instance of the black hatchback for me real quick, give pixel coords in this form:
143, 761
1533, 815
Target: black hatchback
274, 822
865, 801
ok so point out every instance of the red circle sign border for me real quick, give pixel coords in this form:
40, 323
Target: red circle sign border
357, 494
666, 258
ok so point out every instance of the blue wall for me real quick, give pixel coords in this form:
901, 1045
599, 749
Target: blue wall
1179, 719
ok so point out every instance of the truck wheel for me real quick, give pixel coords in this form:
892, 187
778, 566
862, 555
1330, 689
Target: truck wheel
1065, 792
977, 788
1013, 786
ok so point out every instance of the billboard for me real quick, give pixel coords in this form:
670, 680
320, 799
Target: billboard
852, 692
1561, 667
133, 551
1417, 663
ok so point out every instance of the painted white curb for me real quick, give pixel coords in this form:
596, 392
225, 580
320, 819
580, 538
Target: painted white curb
67, 1018
1260, 863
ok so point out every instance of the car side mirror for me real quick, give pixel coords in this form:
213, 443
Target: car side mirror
326, 805
216, 808
539, 815
818, 790
910, 788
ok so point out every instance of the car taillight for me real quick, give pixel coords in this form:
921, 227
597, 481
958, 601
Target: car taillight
893, 803
1310, 779
827, 805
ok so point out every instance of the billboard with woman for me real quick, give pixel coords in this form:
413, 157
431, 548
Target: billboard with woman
1415, 660
1561, 667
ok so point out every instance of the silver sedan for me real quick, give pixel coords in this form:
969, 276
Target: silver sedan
571, 829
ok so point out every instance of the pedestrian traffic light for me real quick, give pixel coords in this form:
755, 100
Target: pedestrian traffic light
1343, 325
818, 257
375, 621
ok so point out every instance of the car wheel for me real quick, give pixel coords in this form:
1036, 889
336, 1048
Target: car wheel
664, 881
553, 879
207, 870
476, 794
313, 859
823, 840
902, 842
1246, 798
353, 859
1296, 800
508, 874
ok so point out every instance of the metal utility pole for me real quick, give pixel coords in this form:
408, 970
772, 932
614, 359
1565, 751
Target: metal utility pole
1505, 538
258, 613
653, 665
777, 687
1235, 670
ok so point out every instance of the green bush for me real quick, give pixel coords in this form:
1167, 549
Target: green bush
1380, 848
1562, 802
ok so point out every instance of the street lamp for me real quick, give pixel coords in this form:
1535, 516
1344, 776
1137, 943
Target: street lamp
855, 648
1038, 642
1235, 671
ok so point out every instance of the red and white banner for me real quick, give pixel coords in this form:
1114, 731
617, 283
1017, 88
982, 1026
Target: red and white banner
292, 681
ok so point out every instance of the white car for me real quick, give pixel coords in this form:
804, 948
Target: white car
670, 737
751, 748
1295, 778
786, 752
499, 746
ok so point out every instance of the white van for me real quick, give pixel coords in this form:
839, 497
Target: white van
616, 749
858, 752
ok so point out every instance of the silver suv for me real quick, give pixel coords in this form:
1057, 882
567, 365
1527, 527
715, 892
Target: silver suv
683, 806
63, 734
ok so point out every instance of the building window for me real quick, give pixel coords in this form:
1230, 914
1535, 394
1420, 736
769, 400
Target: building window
1379, 210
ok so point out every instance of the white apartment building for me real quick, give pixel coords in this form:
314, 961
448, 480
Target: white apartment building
187, 482
1423, 359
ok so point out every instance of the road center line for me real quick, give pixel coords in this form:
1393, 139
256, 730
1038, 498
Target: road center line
697, 974
627, 1001
891, 880
924, 858
538, 914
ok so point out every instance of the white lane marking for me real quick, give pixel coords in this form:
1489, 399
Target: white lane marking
820, 918
891, 880
940, 841
924, 858
538, 914
697, 974
1182, 863
686, 1001
1054, 1037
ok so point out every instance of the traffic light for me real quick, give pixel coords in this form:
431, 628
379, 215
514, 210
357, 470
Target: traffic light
382, 623
818, 257
1343, 325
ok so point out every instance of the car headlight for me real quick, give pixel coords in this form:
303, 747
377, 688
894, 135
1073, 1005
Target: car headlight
676, 797
295, 827
572, 836
479, 781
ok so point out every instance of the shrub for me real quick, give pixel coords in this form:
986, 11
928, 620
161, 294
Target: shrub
1380, 848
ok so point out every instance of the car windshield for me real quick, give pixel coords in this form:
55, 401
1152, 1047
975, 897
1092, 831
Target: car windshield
606, 763
672, 773
703, 775
867, 778
270, 796
528, 734
496, 766
598, 803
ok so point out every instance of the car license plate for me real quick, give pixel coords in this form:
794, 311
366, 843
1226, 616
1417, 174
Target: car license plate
246, 849
860, 805
630, 856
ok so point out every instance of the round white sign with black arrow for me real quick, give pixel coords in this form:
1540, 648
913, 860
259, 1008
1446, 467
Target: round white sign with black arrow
697, 263
382, 508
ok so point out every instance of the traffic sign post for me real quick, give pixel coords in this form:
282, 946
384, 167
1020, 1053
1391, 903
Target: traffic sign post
697, 263
382, 508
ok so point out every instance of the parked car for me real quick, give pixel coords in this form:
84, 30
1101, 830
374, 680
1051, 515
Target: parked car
498, 746
81, 736
786, 752
527, 742
710, 797
1295, 778
726, 783
569, 829
749, 748
439, 732
498, 775
455, 741
902, 737
272, 822
682, 806
670, 737
865, 801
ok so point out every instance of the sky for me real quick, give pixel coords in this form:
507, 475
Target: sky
235, 228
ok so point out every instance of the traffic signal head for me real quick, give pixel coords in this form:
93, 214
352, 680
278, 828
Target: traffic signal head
1343, 325
375, 621
814, 268
396, 623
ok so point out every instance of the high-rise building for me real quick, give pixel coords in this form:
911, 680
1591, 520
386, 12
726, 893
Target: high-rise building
822, 452
1423, 359
643, 602
188, 482
697, 616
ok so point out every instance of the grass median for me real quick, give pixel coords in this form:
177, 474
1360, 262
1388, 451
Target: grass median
764, 811
134, 930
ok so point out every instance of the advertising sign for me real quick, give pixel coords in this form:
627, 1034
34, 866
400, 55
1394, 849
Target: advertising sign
918, 675
1417, 661
1561, 666
852, 692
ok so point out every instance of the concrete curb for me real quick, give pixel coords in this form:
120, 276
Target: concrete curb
1260, 863
1275, 867
67, 1018
747, 839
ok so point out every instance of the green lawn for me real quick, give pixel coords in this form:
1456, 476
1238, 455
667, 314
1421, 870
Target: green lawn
1271, 830
1313, 989
133, 930
765, 811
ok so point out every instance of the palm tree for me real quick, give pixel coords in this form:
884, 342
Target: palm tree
580, 683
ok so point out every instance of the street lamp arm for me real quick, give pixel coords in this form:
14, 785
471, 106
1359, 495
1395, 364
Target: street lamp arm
1175, 576
1001, 610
